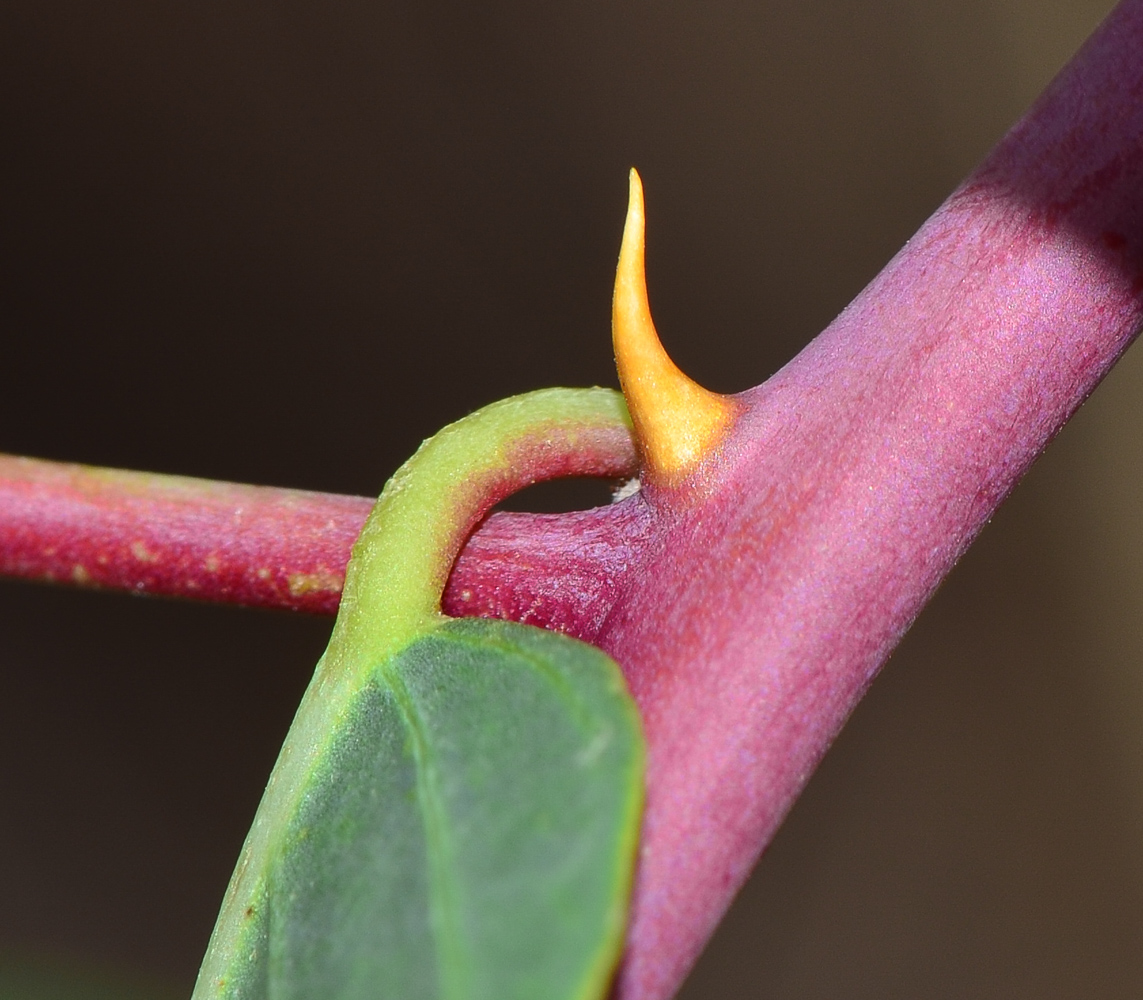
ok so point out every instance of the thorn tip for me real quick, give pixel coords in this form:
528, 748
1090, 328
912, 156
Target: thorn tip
677, 421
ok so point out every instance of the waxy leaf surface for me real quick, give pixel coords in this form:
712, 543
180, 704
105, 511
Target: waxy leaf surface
468, 834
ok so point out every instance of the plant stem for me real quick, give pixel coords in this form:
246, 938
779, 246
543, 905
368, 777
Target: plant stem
260, 546
176, 536
857, 477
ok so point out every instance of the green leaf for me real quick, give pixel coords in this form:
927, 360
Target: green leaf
469, 832
455, 812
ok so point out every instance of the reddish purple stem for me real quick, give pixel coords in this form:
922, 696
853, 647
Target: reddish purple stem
175, 536
261, 546
858, 476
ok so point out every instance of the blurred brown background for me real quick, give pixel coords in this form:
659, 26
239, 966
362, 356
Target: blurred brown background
281, 242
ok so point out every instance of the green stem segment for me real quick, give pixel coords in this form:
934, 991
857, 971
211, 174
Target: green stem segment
402, 559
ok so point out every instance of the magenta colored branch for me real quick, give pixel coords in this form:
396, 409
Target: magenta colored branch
858, 476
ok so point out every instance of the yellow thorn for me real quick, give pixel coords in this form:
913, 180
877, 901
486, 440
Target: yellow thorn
676, 420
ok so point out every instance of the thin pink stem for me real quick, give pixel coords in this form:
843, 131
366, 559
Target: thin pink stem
175, 536
259, 546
